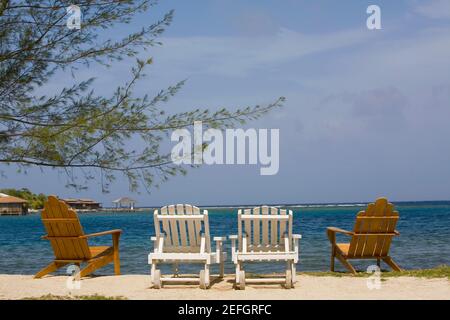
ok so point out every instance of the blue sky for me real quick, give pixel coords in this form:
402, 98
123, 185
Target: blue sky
367, 111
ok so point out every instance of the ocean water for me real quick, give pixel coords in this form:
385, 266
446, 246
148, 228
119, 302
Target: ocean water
424, 241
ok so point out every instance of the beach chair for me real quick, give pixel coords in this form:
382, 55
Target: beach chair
182, 236
70, 244
265, 234
371, 236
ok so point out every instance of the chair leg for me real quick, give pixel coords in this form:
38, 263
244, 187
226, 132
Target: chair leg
96, 264
157, 282
222, 268
152, 272
332, 260
238, 270
288, 283
204, 277
49, 269
116, 254
207, 275
155, 276
346, 263
390, 262
240, 276
294, 272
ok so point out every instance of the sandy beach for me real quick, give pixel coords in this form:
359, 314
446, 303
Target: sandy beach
308, 287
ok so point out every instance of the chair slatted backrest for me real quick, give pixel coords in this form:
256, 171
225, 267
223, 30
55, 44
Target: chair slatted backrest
374, 229
182, 226
265, 228
64, 230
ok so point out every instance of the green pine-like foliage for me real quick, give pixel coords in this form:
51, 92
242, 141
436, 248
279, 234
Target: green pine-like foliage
35, 201
84, 135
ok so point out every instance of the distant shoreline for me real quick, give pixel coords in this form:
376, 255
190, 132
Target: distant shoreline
288, 205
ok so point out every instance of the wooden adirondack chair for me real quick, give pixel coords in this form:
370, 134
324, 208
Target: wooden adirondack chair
265, 234
182, 236
371, 237
70, 244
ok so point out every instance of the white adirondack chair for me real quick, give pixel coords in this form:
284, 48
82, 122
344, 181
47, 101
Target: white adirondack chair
182, 236
265, 234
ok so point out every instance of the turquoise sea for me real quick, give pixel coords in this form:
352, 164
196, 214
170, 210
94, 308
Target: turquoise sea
424, 241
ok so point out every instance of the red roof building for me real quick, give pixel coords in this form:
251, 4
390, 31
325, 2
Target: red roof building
10, 205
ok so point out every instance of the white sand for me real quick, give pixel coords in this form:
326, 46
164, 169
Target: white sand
308, 287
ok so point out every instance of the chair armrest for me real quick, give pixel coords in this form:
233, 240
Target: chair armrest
155, 238
219, 247
338, 230
103, 233
331, 233
396, 233
233, 239
296, 241
158, 242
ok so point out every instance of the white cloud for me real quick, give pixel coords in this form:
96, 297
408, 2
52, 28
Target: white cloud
410, 62
237, 56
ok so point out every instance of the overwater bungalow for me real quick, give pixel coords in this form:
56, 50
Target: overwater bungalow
10, 205
83, 204
124, 203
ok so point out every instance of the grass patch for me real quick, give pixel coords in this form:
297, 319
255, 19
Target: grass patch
69, 297
438, 272
331, 274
